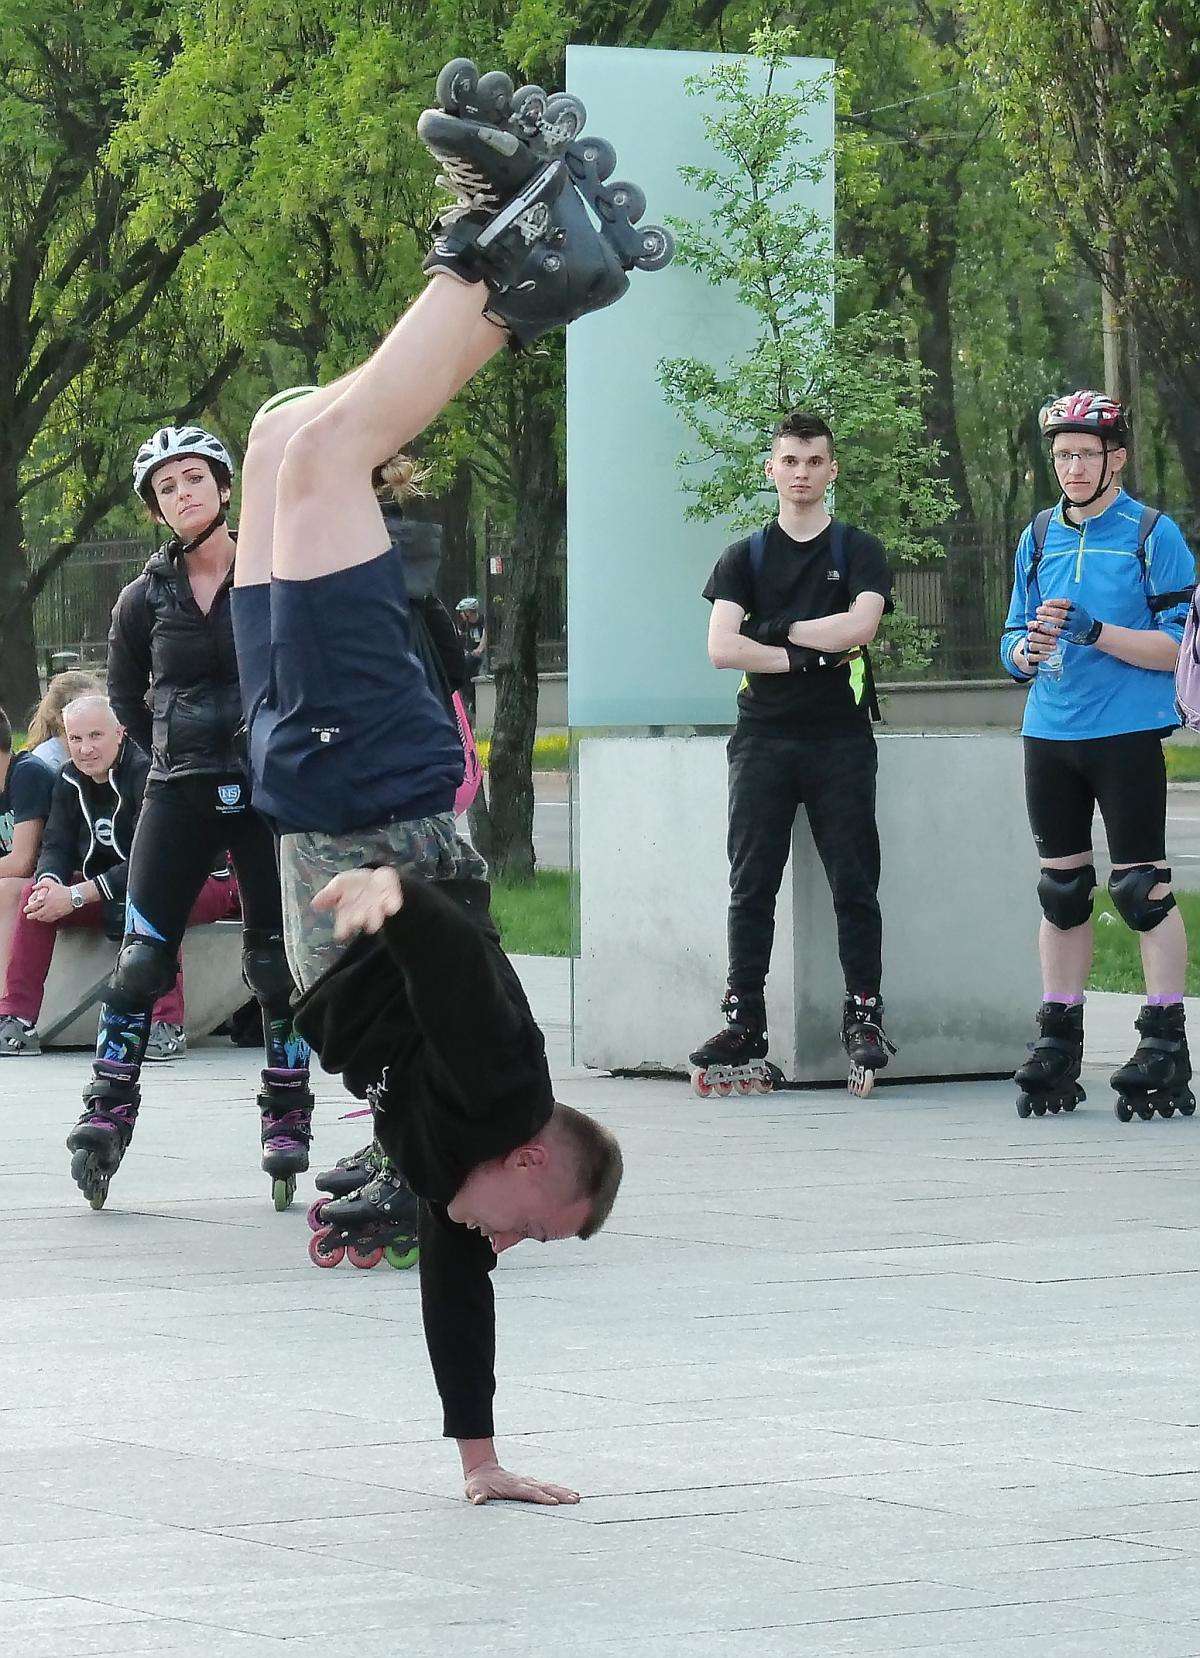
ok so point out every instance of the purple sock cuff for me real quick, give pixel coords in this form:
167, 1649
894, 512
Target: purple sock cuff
1171, 999
1067, 1001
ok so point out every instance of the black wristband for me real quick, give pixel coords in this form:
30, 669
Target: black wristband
800, 658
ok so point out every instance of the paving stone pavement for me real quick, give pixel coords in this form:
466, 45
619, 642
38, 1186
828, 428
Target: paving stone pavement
903, 1376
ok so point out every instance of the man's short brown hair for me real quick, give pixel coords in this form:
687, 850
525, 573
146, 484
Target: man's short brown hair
598, 1164
806, 427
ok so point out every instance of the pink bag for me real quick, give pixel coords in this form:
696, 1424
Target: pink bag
473, 768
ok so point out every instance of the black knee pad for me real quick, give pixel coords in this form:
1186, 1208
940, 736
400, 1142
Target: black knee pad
265, 968
1130, 893
145, 971
1066, 895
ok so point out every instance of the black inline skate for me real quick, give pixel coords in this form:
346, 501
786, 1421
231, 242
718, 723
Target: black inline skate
734, 1061
101, 1137
1049, 1078
867, 1048
286, 1108
348, 1175
519, 222
378, 1223
1156, 1077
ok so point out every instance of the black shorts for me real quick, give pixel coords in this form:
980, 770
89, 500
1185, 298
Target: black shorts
1126, 776
345, 730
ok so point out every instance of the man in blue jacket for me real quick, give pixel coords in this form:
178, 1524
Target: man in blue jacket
1099, 600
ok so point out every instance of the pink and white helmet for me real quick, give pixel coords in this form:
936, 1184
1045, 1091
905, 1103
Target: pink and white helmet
1085, 411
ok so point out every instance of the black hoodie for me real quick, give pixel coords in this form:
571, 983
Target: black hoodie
428, 1021
90, 829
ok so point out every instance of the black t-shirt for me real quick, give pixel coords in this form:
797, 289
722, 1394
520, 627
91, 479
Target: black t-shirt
25, 795
798, 580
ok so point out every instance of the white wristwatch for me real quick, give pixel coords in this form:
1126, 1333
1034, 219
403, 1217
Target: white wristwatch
77, 898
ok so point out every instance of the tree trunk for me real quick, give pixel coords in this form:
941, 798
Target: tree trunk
966, 614
19, 685
1182, 408
537, 532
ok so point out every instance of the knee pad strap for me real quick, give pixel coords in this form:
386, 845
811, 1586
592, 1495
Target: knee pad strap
1066, 895
1130, 893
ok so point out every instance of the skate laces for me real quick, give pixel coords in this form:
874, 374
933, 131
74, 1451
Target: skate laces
115, 1115
473, 189
287, 1127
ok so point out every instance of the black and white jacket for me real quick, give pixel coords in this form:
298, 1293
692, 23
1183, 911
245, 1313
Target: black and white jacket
91, 823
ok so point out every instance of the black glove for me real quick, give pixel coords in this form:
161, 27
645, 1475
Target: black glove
801, 659
767, 630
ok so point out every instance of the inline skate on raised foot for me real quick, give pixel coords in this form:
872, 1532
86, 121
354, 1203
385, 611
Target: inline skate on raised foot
286, 1107
1156, 1077
867, 1048
348, 1175
1049, 1078
734, 1061
101, 1137
377, 1223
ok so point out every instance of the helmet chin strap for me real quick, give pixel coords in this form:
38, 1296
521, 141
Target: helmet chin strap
186, 547
1105, 480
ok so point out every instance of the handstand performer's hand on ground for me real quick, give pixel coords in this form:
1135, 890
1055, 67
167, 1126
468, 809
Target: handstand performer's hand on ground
489, 1482
361, 901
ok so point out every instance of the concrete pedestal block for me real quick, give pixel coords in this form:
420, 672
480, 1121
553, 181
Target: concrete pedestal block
960, 911
83, 960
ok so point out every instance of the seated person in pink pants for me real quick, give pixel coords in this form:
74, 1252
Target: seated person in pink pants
81, 875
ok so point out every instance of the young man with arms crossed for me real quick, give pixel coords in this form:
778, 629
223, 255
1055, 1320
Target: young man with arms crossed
791, 610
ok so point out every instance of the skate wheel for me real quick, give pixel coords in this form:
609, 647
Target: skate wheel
1144, 1110
283, 1190
455, 85
1024, 1106
563, 120
860, 1081
630, 199
1039, 1108
1187, 1105
319, 1256
594, 156
364, 1259
701, 1084
1167, 1109
1054, 1107
493, 96
313, 1217
744, 1085
1123, 1109
402, 1256
722, 1089
657, 249
528, 108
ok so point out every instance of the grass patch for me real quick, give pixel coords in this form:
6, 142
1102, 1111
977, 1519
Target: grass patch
550, 753
1117, 964
1183, 762
535, 919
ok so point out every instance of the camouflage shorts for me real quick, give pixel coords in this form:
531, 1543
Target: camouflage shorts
427, 846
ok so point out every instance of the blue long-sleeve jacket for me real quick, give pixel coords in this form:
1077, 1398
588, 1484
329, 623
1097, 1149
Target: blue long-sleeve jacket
1096, 565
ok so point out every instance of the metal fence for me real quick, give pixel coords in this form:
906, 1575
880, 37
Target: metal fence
962, 598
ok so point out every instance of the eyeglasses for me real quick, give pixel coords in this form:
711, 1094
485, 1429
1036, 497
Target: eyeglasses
1085, 457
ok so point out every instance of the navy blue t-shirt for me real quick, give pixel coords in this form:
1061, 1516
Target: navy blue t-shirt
24, 797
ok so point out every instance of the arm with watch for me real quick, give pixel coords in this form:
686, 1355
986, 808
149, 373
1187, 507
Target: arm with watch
56, 891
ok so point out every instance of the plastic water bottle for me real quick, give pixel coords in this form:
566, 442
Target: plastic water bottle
1052, 667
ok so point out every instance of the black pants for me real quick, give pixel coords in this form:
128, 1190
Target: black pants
185, 825
771, 774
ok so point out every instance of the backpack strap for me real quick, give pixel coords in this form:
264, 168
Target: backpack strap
1158, 602
758, 548
1038, 531
837, 546
837, 552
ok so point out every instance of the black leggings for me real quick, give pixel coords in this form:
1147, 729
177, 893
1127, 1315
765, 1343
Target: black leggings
186, 825
833, 778
184, 828
1125, 776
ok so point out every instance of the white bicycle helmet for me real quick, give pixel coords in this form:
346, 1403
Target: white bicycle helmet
171, 443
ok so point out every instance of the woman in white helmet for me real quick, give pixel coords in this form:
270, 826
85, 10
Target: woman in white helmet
172, 637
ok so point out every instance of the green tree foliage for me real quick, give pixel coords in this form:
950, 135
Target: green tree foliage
1099, 110
774, 251
100, 336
